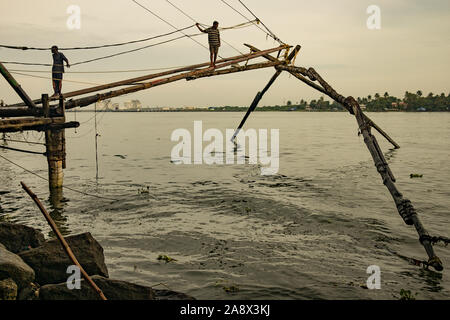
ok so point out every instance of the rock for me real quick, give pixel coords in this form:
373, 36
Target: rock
112, 289
30, 292
171, 295
12, 266
17, 238
8, 289
50, 261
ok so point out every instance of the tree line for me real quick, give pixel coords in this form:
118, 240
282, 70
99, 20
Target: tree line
376, 103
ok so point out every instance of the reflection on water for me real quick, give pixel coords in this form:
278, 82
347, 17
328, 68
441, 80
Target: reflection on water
309, 232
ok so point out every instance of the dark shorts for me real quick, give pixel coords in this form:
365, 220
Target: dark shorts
214, 49
57, 76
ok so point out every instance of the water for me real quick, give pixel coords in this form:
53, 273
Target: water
309, 232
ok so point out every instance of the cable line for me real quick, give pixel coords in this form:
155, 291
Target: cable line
41, 177
99, 46
196, 22
238, 12
154, 14
273, 35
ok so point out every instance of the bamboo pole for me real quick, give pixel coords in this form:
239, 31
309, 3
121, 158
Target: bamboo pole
299, 73
63, 242
156, 75
260, 94
16, 86
404, 206
254, 104
82, 102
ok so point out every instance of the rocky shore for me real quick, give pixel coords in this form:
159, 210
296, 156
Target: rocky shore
32, 268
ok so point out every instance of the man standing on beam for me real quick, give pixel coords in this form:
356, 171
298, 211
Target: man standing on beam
58, 70
214, 41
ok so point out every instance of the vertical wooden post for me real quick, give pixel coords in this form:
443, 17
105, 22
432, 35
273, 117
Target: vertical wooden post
3, 134
55, 151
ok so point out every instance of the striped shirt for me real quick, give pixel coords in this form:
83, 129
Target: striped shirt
213, 37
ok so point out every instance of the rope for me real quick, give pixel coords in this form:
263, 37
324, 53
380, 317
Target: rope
154, 14
99, 46
21, 141
68, 188
50, 78
238, 12
196, 22
268, 30
22, 150
89, 72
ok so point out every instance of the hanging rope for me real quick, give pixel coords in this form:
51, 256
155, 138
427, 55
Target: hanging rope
21, 141
99, 46
165, 21
68, 188
188, 16
50, 78
22, 150
268, 30
125, 52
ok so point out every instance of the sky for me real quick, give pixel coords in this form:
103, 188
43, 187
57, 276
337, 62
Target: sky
409, 52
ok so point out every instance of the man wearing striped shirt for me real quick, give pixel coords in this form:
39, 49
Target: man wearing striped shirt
214, 41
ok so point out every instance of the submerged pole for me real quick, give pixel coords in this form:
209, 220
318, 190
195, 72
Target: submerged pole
260, 94
254, 104
55, 151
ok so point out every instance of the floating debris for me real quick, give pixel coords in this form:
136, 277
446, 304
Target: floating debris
165, 258
415, 175
407, 295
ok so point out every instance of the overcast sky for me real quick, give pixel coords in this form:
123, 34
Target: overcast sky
410, 52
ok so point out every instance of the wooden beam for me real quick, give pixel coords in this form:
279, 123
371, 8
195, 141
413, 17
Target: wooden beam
157, 75
299, 73
16, 86
37, 124
83, 102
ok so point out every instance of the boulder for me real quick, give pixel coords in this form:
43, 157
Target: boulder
8, 289
17, 237
112, 289
12, 266
30, 292
50, 261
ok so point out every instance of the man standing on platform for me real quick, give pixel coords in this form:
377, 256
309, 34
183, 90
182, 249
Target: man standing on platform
214, 41
58, 70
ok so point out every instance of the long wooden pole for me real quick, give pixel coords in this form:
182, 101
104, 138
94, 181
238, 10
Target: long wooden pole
82, 102
16, 86
260, 94
63, 242
404, 206
298, 71
244, 57
254, 104
299, 76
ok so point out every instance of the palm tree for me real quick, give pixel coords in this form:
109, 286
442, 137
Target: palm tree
419, 93
377, 95
369, 97
386, 94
